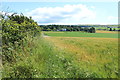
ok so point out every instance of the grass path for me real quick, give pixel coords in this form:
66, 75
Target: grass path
43, 35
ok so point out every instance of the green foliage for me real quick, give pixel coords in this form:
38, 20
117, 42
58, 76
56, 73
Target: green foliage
15, 30
114, 29
110, 29
92, 30
21, 71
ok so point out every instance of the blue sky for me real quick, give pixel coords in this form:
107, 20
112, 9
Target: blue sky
66, 12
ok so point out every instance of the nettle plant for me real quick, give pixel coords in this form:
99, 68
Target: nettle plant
15, 30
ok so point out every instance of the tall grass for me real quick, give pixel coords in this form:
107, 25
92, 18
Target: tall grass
93, 54
58, 63
41, 59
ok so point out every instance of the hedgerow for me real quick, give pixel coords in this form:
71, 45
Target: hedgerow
15, 32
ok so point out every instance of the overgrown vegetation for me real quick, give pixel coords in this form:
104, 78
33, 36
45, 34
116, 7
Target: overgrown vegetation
18, 32
15, 32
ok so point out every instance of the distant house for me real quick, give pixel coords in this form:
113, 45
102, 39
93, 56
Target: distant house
62, 29
110, 27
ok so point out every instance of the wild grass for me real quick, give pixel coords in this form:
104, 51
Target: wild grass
64, 57
98, 55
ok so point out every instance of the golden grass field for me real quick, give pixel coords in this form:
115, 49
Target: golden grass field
98, 31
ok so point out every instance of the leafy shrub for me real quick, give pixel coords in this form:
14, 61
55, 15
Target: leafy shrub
15, 29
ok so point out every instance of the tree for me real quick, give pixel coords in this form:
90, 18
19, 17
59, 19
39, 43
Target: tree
110, 29
114, 29
86, 29
93, 30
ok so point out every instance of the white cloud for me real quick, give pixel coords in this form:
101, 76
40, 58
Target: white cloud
66, 14
5, 13
93, 7
112, 18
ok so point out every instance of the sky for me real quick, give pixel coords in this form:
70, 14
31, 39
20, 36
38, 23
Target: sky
65, 12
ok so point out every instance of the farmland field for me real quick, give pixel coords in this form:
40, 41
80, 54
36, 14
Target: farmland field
103, 34
93, 52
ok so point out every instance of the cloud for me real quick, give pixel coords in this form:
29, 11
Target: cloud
5, 13
93, 7
66, 14
112, 18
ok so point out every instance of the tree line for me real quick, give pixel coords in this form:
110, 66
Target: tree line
68, 28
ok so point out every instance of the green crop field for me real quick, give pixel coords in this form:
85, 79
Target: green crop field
81, 34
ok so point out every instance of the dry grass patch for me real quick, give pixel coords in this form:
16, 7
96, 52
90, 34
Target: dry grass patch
116, 32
